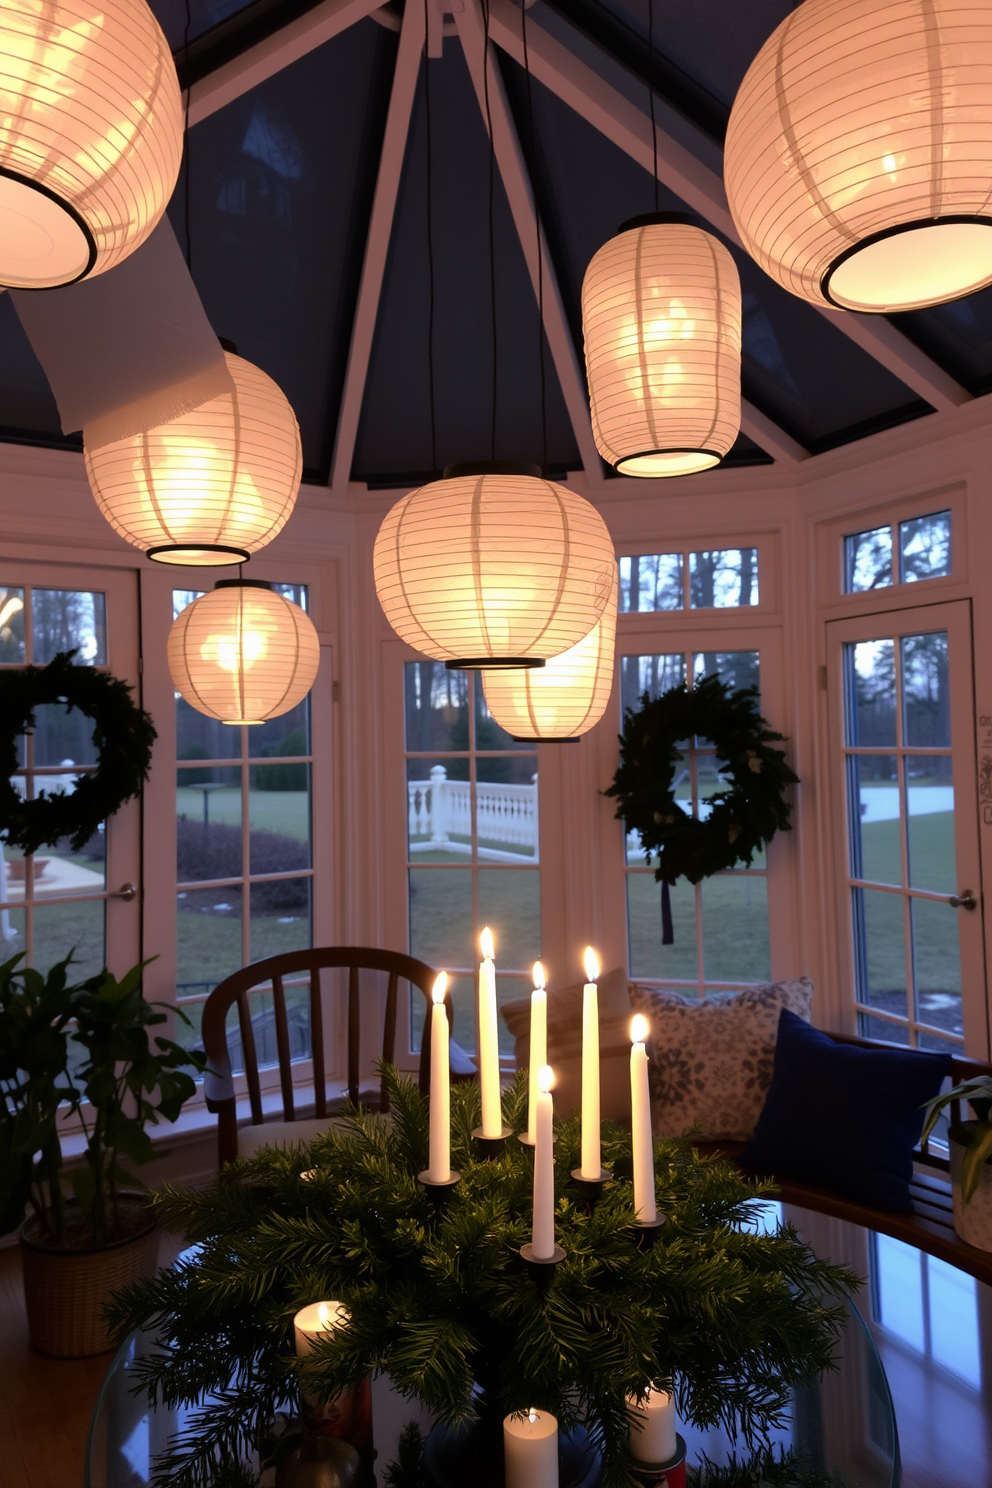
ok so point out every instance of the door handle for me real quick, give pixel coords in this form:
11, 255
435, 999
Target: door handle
964, 900
129, 891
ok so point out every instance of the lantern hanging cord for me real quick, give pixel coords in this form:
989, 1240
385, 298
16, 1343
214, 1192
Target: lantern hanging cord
532, 165
430, 247
188, 89
492, 234
654, 129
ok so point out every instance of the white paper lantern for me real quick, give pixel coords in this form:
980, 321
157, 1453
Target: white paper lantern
493, 566
243, 653
859, 152
567, 696
661, 317
212, 487
91, 136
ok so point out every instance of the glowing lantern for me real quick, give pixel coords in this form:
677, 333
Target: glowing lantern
213, 486
859, 152
661, 316
567, 696
493, 566
91, 136
243, 653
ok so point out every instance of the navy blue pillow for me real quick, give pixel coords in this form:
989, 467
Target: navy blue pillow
842, 1118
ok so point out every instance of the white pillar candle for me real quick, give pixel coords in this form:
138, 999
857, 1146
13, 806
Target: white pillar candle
591, 1164
538, 1043
543, 1221
492, 1113
319, 1320
653, 1427
439, 1165
530, 1450
645, 1206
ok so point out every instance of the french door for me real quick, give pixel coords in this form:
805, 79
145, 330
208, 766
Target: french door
902, 731
86, 900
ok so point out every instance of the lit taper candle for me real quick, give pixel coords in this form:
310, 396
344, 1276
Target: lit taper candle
538, 1044
530, 1450
492, 1113
439, 1169
543, 1223
645, 1206
591, 1158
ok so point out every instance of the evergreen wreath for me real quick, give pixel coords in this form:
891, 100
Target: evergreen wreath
122, 732
730, 1318
743, 816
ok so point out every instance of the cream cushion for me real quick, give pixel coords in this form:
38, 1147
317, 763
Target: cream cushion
252, 1139
710, 1059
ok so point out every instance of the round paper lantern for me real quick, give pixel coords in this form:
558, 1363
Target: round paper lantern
567, 696
243, 653
661, 316
91, 136
213, 486
493, 566
859, 152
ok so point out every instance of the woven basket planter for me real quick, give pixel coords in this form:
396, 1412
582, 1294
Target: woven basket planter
65, 1290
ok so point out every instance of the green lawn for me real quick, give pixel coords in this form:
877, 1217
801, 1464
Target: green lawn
269, 811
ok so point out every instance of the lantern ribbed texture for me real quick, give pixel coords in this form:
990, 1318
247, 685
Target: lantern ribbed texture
564, 698
243, 653
493, 567
857, 119
661, 316
91, 136
221, 480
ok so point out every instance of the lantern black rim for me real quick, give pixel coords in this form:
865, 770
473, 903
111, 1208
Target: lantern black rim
544, 739
893, 232
242, 584
491, 467
494, 663
714, 455
71, 212
658, 219
231, 555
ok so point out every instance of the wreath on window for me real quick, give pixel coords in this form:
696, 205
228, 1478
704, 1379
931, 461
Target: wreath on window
743, 815
122, 732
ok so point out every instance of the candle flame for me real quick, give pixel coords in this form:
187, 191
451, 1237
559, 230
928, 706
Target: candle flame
486, 941
533, 1415
591, 963
545, 1078
440, 986
638, 1028
538, 977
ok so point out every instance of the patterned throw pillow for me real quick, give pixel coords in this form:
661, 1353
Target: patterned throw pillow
710, 1059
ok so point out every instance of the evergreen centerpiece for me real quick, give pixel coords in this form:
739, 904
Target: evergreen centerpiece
731, 1319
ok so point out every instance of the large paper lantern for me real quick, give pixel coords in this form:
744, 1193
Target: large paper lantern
493, 566
661, 316
243, 653
567, 696
213, 486
91, 136
859, 152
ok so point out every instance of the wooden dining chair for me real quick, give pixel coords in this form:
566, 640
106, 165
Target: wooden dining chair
271, 973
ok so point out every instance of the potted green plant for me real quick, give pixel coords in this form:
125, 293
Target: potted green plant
970, 1144
82, 1049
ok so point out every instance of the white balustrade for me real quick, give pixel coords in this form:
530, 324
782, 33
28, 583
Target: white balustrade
439, 816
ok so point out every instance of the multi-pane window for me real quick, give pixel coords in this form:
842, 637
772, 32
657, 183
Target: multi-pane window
902, 864
472, 839
720, 925
931, 1307
718, 578
901, 552
244, 869
56, 899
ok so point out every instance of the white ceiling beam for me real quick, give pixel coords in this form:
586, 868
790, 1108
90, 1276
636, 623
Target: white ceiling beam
397, 133
270, 56
773, 440
520, 194
699, 187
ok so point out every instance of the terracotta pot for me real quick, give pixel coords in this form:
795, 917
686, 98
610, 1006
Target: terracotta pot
65, 1290
972, 1221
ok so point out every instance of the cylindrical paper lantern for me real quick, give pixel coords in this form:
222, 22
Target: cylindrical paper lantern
859, 152
243, 653
493, 566
211, 487
661, 316
91, 136
567, 696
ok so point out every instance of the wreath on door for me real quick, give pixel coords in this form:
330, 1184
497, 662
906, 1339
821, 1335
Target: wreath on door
123, 735
745, 813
